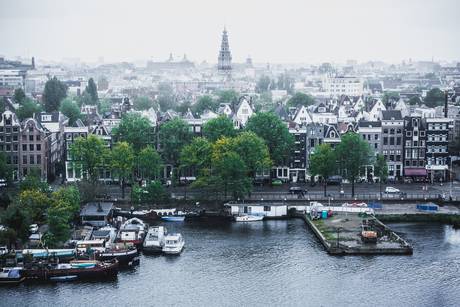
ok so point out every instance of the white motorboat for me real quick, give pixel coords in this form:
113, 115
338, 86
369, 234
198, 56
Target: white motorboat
174, 243
248, 218
107, 233
133, 231
11, 275
155, 239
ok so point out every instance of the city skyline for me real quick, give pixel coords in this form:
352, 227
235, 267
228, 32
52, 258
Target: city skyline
306, 32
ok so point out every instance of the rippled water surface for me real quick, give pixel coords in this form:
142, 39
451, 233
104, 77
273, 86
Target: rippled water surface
270, 263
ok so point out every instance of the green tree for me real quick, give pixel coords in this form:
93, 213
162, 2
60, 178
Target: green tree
286, 83
3, 104
134, 129
434, 97
150, 162
266, 97
269, 127
91, 88
88, 157
122, 162
415, 100
144, 103
381, 169
206, 102
165, 88
215, 128
253, 151
71, 110
154, 193
19, 95
174, 135
323, 163
263, 84
353, 153
53, 94
226, 96
430, 76
33, 181
165, 102
106, 105
27, 108
302, 99
197, 156
34, 202
102, 79
388, 95
183, 107
419, 89
17, 222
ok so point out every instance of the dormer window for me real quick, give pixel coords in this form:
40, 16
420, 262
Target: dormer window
46, 118
321, 109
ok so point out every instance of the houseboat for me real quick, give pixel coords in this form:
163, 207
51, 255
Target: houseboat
132, 231
174, 244
155, 240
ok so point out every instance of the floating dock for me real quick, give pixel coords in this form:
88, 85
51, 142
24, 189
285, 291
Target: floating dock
341, 234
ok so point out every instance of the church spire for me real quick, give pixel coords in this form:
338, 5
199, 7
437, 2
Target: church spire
224, 65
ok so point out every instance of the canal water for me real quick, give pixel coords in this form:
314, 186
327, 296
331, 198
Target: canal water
269, 263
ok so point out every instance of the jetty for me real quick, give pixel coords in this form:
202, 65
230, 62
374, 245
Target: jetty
344, 230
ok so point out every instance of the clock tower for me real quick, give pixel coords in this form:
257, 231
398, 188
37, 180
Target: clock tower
224, 65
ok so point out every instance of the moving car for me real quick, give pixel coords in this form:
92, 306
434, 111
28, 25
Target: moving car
391, 190
276, 182
293, 190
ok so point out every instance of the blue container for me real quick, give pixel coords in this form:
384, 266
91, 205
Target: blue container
324, 216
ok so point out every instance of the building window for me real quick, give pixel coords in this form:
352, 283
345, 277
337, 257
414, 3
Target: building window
31, 159
392, 155
39, 159
39, 147
385, 130
398, 155
8, 138
15, 160
398, 140
38, 137
392, 131
421, 153
24, 147
377, 137
15, 138
392, 141
24, 138
391, 170
422, 133
31, 129
399, 130
408, 143
377, 145
31, 138
408, 134
31, 147
15, 147
24, 159
385, 140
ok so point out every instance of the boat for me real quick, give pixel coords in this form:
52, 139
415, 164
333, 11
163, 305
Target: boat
63, 278
155, 239
46, 271
174, 243
84, 263
64, 255
188, 215
143, 214
249, 217
173, 218
132, 231
11, 276
107, 233
119, 252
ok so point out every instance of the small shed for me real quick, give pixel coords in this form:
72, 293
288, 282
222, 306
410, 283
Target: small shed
96, 214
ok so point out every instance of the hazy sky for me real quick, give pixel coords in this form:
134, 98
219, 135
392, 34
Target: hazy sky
285, 31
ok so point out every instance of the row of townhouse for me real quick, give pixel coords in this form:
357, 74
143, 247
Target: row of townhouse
34, 142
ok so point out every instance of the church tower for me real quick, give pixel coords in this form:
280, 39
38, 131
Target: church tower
224, 65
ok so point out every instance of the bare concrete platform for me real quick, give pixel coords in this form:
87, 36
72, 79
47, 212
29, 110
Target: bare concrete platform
341, 234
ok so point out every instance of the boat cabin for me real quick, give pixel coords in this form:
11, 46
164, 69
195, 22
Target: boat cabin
91, 244
270, 210
97, 214
173, 239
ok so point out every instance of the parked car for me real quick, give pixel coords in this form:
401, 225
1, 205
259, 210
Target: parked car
293, 190
276, 182
334, 180
258, 181
33, 228
391, 190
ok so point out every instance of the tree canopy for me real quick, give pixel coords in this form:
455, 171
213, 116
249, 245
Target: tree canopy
144, 103
206, 102
215, 128
302, 99
53, 94
70, 109
269, 127
134, 129
166, 88
19, 95
88, 156
263, 84
165, 102
174, 135
434, 97
353, 153
415, 100
91, 88
27, 108
323, 163
122, 162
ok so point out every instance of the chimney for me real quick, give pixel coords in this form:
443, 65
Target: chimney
99, 207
